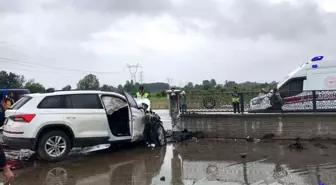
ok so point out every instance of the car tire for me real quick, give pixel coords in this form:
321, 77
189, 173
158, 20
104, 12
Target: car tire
158, 135
64, 146
147, 134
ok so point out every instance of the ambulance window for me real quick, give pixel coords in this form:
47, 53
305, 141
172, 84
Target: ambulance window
284, 90
296, 87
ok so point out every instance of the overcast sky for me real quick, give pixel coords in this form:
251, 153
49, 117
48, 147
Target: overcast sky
186, 40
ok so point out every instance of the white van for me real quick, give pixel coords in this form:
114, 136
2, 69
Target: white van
297, 88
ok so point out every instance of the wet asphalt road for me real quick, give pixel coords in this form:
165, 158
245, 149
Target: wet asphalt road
191, 162
197, 162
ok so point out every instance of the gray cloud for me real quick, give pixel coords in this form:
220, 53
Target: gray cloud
281, 20
114, 7
226, 39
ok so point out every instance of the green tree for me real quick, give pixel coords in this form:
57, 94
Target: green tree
206, 84
213, 83
11, 80
34, 87
51, 89
89, 82
190, 85
66, 88
120, 87
106, 87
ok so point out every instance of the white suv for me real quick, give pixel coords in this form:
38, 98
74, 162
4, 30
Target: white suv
53, 123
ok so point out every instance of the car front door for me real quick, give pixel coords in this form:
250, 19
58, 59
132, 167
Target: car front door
136, 118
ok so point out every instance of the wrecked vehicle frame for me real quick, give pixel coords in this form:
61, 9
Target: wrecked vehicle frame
116, 118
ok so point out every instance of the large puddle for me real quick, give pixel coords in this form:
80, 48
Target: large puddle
191, 163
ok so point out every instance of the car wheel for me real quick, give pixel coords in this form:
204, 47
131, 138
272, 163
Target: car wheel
54, 146
158, 135
147, 134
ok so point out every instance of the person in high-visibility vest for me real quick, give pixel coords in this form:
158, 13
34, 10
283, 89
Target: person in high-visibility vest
235, 100
141, 93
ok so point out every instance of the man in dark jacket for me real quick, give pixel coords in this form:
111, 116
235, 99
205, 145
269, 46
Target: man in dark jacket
9, 176
276, 101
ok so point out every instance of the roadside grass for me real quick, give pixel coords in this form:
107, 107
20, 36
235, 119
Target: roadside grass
159, 102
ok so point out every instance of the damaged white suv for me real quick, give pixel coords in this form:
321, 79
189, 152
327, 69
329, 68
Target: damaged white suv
53, 123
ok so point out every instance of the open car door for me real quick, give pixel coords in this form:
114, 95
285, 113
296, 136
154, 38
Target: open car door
136, 118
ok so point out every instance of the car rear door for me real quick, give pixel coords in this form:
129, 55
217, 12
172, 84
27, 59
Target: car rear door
136, 117
87, 117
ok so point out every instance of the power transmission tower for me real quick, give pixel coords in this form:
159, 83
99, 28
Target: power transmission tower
133, 69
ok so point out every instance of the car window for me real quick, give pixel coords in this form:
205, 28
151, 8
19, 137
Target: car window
20, 102
50, 102
67, 104
131, 100
86, 101
113, 104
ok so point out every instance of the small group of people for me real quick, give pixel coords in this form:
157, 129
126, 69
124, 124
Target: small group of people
7, 101
275, 100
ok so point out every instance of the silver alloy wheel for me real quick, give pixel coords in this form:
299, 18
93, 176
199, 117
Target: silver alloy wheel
161, 135
57, 176
55, 146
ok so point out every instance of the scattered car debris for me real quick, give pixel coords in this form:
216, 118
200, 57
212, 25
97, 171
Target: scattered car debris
297, 145
314, 139
248, 139
319, 145
268, 136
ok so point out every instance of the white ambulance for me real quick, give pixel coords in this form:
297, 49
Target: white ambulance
297, 89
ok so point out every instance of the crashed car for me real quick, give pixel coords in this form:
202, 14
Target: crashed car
53, 123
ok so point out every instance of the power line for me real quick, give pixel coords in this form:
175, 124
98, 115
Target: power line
38, 70
20, 62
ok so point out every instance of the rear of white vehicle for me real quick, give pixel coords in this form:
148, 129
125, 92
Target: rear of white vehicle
21, 122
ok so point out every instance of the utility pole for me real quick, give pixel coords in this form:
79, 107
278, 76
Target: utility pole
133, 69
169, 81
141, 77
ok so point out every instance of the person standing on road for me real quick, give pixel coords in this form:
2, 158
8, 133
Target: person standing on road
141, 94
183, 99
276, 101
235, 100
9, 176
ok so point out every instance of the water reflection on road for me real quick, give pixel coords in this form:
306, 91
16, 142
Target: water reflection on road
205, 162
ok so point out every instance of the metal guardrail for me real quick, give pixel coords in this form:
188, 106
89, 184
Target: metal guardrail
294, 101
